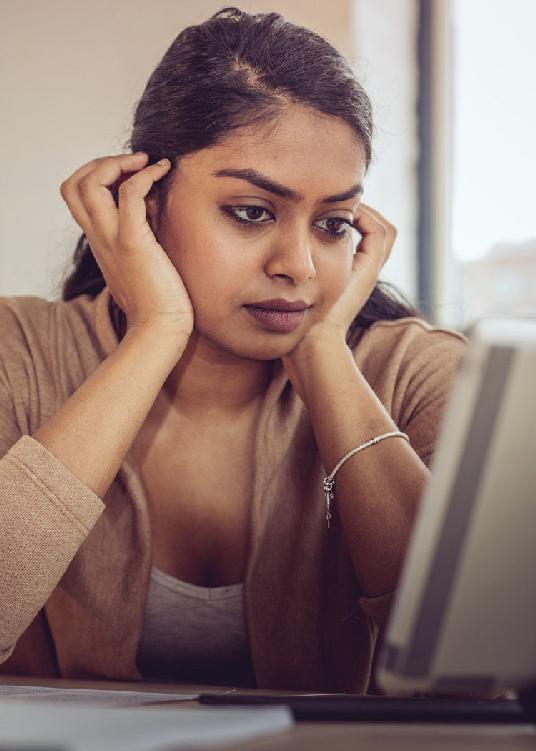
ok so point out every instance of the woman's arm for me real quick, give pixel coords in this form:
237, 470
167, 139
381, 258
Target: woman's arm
94, 429
389, 481
388, 477
51, 483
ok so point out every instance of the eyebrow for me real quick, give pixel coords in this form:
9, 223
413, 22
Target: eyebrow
263, 182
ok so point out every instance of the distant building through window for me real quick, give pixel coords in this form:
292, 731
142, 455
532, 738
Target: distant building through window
501, 283
493, 238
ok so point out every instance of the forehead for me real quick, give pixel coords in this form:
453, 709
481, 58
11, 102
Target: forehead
303, 149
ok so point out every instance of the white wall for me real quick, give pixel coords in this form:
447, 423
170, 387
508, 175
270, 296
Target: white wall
71, 73
385, 34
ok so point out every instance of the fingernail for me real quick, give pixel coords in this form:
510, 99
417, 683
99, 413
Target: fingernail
164, 162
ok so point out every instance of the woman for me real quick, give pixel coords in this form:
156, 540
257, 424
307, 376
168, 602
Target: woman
222, 344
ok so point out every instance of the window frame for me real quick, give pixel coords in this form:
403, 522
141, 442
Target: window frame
439, 291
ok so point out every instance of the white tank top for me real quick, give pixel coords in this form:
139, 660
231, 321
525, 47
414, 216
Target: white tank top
194, 634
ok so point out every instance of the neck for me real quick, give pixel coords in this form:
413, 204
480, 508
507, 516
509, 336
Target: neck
208, 380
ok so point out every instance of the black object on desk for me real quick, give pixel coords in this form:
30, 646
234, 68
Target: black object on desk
355, 708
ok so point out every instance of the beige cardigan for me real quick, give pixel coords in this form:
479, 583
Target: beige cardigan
75, 568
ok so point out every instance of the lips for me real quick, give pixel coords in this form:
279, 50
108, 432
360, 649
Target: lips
280, 304
278, 315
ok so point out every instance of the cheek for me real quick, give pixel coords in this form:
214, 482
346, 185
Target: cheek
195, 249
208, 270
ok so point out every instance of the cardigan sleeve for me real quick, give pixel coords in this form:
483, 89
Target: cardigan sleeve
424, 381
46, 512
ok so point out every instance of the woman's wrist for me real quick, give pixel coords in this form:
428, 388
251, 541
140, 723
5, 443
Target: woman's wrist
309, 359
319, 347
159, 338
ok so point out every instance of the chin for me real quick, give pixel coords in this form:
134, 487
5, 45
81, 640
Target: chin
254, 346
262, 351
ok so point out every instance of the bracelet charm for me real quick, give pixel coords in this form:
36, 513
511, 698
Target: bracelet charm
328, 490
329, 481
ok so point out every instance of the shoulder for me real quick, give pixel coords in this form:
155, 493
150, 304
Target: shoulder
33, 308
46, 346
25, 323
39, 326
407, 343
12, 308
409, 330
411, 365
25, 366
29, 324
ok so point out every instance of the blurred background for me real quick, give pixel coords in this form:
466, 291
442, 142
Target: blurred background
453, 89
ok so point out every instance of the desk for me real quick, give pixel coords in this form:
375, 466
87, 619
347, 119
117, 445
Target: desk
333, 736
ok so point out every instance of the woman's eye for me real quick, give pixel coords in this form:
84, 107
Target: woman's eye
346, 228
250, 215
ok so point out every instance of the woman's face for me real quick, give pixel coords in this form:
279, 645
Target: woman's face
291, 247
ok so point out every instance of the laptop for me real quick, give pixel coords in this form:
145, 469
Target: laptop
463, 622
464, 617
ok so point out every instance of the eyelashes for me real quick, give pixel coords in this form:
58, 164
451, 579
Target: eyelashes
252, 223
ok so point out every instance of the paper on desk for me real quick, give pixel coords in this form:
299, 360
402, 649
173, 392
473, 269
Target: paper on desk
89, 695
49, 725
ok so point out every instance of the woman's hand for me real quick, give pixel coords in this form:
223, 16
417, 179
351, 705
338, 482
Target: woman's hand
373, 250
140, 276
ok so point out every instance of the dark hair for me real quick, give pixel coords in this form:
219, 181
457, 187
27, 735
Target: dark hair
238, 69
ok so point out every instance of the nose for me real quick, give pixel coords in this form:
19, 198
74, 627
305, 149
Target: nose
291, 256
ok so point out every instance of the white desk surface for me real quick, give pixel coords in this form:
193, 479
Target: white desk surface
334, 736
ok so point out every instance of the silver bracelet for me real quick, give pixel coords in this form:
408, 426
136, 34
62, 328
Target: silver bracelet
329, 481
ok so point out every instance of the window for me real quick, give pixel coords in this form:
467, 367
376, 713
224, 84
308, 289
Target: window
488, 185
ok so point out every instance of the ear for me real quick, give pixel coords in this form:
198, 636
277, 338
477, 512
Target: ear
151, 204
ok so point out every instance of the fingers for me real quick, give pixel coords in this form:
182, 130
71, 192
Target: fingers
132, 211
88, 194
378, 234
75, 189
